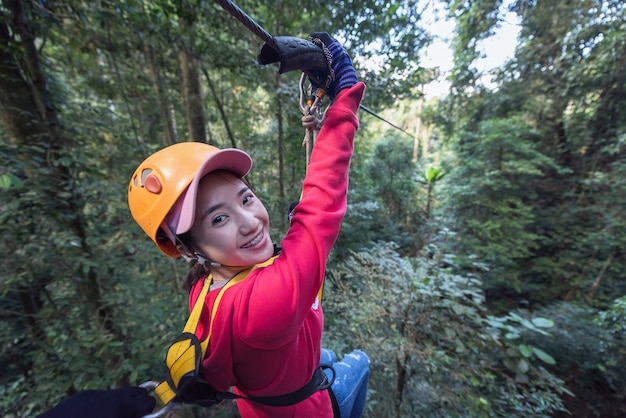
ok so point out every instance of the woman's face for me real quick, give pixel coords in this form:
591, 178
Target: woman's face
231, 225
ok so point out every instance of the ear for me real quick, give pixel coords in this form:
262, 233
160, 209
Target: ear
185, 252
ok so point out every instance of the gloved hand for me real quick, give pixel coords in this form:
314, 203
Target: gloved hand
342, 70
128, 402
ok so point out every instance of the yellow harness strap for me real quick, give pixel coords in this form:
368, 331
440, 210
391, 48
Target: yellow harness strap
185, 355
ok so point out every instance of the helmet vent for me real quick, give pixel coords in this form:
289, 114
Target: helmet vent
151, 182
144, 174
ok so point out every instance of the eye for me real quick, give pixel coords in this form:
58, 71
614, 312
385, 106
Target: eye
218, 219
248, 198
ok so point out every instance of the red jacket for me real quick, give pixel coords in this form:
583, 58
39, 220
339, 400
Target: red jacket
268, 328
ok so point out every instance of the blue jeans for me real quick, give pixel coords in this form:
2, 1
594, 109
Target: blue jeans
350, 385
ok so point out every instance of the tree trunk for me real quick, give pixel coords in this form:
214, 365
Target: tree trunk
598, 281
26, 111
29, 118
418, 132
192, 91
164, 105
220, 108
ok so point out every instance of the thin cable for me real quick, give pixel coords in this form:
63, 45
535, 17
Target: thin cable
254, 27
247, 21
371, 112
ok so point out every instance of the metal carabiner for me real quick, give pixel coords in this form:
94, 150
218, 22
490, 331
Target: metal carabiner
172, 406
310, 103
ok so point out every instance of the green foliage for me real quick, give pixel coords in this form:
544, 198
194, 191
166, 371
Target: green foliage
433, 175
392, 171
490, 187
588, 349
536, 165
388, 205
59, 335
534, 190
535, 176
519, 354
613, 345
475, 22
432, 351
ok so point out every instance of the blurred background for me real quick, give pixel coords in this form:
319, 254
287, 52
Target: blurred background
482, 261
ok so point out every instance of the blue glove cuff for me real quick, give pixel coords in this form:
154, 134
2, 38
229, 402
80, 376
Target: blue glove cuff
340, 66
345, 75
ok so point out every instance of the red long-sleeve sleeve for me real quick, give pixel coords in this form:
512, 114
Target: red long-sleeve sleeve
267, 331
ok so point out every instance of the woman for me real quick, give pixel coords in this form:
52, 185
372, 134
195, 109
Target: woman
192, 200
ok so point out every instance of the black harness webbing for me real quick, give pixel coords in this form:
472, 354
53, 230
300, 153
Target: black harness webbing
319, 381
184, 382
200, 392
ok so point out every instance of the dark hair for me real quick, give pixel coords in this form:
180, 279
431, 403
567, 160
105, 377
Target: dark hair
195, 273
196, 270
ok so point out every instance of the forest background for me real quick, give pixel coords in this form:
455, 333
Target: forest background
482, 260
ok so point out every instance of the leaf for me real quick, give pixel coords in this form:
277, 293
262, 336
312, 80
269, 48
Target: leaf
523, 366
450, 333
543, 356
525, 350
512, 352
543, 322
8, 180
522, 378
495, 323
509, 365
528, 324
433, 174
5, 181
460, 347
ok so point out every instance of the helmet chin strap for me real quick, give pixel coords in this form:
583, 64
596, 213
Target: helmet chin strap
189, 256
201, 260
204, 262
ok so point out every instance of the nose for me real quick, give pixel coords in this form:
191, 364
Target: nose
248, 222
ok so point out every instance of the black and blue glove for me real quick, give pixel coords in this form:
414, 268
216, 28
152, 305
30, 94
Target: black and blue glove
128, 402
340, 65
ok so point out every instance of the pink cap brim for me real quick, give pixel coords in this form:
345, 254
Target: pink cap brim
181, 217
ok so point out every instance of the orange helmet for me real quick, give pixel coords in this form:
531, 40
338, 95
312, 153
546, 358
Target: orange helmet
168, 179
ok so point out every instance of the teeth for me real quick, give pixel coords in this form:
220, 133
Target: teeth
255, 241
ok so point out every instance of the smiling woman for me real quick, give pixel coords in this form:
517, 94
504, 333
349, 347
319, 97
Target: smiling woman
265, 338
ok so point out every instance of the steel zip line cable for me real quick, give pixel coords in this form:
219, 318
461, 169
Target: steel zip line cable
371, 112
247, 21
266, 37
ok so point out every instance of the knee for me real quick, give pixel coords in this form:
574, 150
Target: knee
327, 356
357, 356
356, 364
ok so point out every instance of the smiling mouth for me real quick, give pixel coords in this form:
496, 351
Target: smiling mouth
255, 241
